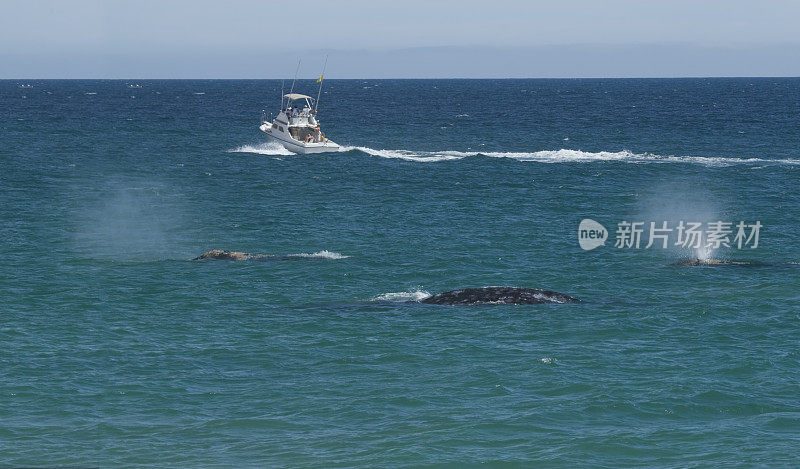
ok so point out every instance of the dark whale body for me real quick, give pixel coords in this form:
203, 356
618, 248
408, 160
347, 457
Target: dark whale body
497, 295
232, 256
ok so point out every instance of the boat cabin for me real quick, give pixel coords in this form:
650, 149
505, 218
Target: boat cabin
298, 110
296, 126
298, 118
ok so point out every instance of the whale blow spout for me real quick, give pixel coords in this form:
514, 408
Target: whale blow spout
497, 295
231, 256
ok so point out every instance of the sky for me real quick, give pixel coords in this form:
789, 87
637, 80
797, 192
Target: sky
398, 39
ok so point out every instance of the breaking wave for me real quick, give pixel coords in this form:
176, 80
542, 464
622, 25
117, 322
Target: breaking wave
320, 255
569, 156
411, 295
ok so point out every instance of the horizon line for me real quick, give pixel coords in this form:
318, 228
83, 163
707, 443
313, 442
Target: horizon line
681, 77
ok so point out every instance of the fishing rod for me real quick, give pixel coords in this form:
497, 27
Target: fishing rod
321, 77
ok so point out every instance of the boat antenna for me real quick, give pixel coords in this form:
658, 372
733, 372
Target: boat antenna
282, 94
321, 77
295, 75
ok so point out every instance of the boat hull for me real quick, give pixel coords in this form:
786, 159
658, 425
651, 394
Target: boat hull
300, 147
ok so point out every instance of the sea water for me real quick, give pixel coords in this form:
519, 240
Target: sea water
116, 350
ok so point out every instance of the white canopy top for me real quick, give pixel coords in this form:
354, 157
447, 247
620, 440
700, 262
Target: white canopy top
294, 96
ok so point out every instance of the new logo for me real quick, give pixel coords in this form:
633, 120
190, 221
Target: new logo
591, 234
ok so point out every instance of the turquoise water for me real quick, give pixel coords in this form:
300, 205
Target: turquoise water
119, 351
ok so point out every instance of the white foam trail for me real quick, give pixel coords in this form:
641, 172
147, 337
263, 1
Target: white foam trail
320, 255
267, 148
568, 156
414, 295
424, 157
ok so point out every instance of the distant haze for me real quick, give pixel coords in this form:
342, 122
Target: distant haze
426, 39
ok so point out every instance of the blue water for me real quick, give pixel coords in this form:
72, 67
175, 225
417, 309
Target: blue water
119, 351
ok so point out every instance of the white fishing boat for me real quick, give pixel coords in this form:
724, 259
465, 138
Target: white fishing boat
296, 126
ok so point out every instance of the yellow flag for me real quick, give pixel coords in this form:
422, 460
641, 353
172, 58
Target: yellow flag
320, 78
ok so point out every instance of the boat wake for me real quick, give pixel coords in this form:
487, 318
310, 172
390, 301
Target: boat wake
408, 155
267, 148
570, 156
544, 156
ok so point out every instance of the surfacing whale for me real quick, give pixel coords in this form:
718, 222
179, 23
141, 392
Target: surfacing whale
232, 256
497, 295
693, 261
225, 255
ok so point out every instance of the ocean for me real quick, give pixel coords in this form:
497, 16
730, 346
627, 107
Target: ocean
117, 350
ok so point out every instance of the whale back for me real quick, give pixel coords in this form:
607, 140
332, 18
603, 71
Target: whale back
224, 255
497, 295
